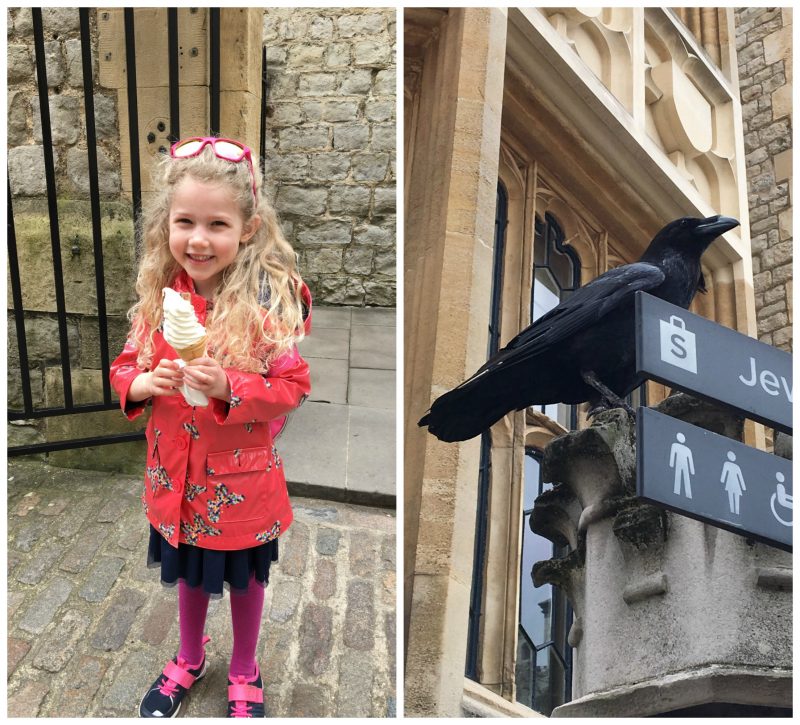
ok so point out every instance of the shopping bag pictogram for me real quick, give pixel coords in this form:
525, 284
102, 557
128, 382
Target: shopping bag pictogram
678, 344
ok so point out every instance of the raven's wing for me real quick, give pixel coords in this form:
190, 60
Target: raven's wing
582, 309
508, 378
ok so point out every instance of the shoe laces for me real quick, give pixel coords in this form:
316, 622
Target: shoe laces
169, 687
241, 708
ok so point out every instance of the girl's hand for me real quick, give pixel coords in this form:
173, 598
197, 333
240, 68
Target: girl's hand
162, 381
166, 378
206, 375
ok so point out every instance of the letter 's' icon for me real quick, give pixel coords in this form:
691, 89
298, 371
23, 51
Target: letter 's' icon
678, 344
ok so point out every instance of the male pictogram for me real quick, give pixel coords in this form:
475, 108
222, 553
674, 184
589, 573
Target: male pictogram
680, 458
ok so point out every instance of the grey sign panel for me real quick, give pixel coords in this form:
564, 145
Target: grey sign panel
714, 479
686, 351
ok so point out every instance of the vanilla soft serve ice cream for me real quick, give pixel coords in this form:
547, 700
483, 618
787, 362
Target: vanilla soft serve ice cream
186, 335
181, 328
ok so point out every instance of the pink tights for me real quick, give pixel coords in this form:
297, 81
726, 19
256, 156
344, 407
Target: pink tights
246, 609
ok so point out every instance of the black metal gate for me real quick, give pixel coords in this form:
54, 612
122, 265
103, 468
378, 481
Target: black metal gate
29, 411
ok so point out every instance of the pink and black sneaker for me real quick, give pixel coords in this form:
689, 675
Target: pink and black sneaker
246, 696
165, 696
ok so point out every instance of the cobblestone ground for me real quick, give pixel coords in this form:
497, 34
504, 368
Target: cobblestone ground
89, 626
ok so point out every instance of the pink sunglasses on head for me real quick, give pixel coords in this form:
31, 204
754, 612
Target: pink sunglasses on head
224, 148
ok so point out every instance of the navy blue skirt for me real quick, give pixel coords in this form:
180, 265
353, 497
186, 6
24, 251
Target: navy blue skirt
209, 568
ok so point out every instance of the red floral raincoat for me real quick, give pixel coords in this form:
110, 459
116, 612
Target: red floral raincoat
213, 477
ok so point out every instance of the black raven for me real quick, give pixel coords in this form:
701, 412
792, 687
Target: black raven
584, 349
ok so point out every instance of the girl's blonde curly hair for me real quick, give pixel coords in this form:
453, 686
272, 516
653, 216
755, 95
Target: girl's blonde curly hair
258, 310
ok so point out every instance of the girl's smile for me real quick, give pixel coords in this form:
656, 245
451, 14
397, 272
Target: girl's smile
205, 231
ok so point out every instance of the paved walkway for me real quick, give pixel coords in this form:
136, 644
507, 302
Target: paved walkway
340, 443
90, 626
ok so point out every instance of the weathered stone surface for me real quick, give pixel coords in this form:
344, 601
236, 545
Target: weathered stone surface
56, 649
26, 171
65, 119
294, 553
54, 62
286, 596
358, 260
325, 261
308, 701
27, 700
111, 631
157, 624
321, 79
301, 200
329, 166
45, 606
373, 54
350, 137
385, 201
20, 63
17, 129
78, 172
125, 693
355, 25
354, 199
353, 696
338, 55
17, 649
359, 623
101, 579
317, 84
41, 564
105, 117
327, 541
315, 639
306, 56
325, 579
85, 679
326, 232
60, 20
84, 550
370, 167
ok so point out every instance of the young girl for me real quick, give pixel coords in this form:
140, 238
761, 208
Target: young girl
215, 493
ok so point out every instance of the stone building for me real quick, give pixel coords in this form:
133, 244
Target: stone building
542, 148
329, 102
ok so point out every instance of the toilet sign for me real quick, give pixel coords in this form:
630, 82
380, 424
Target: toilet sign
686, 351
714, 479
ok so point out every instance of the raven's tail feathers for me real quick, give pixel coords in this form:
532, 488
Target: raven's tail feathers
464, 412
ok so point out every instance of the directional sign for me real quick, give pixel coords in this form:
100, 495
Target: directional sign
714, 479
687, 351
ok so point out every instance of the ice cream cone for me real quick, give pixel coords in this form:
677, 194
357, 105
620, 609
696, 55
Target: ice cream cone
193, 351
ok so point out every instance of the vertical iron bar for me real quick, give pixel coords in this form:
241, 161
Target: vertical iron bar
214, 62
52, 201
19, 314
262, 151
174, 88
133, 123
94, 197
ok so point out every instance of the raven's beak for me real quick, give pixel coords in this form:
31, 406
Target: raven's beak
713, 226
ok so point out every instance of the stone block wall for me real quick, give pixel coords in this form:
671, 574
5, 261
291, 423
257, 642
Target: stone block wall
331, 146
764, 44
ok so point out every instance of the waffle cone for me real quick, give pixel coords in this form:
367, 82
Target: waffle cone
193, 351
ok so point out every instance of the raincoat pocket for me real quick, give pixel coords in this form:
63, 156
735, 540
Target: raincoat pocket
237, 484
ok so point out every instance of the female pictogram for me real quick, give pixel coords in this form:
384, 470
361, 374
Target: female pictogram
734, 482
